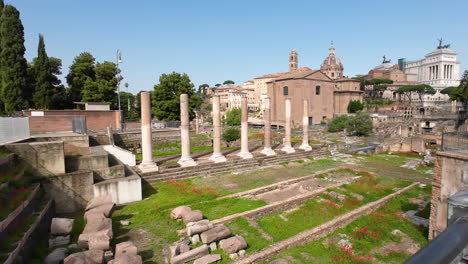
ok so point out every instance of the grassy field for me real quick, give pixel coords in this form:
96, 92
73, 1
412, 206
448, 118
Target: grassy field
369, 236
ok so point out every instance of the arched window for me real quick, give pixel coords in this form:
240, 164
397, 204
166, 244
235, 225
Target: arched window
317, 90
285, 90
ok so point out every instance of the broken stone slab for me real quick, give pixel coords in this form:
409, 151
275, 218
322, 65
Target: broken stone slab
338, 196
126, 247
213, 246
92, 256
105, 209
198, 228
201, 222
192, 216
279, 261
127, 259
98, 201
241, 253
195, 239
177, 212
84, 238
57, 256
191, 255
59, 241
101, 242
215, 234
61, 226
100, 225
233, 256
208, 259
183, 248
94, 216
233, 244
174, 251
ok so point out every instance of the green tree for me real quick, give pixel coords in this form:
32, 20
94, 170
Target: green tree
103, 87
217, 85
166, 96
378, 86
459, 93
338, 123
81, 70
359, 125
44, 90
59, 100
15, 91
127, 103
419, 89
202, 89
228, 82
231, 135
233, 117
355, 106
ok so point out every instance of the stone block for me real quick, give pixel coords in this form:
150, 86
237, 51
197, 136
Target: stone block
215, 234
195, 239
207, 259
213, 246
126, 247
233, 244
105, 209
104, 225
177, 212
192, 216
191, 255
198, 228
93, 256
127, 259
61, 226
57, 256
101, 242
59, 241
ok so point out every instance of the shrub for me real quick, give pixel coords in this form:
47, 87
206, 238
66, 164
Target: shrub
359, 125
355, 106
231, 134
233, 117
338, 123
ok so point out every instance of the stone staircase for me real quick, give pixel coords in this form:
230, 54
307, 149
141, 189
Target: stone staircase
233, 163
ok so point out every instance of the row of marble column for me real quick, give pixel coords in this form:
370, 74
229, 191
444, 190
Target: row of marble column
186, 160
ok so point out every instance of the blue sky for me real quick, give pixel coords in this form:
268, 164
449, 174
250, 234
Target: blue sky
213, 41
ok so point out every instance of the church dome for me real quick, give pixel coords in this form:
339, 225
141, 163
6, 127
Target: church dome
332, 65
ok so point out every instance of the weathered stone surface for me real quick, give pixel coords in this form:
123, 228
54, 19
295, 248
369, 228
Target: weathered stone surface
174, 251
98, 201
125, 223
233, 256
183, 248
190, 255
59, 241
195, 239
61, 226
207, 259
213, 246
105, 209
95, 226
127, 259
198, 228
101, 242
126, 247
201, 222
233, 244
57, 256
93, 256
279, 261
84, 238
241, 253
177, 212
192, 216
338, 196
94, 216
215, 234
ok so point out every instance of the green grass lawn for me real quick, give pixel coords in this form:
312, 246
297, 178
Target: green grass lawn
366, 234
4, 154
324, 208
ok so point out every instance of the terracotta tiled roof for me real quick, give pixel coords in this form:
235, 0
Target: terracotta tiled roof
296, 74
271, 75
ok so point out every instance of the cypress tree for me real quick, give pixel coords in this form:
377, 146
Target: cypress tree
44, 91
1, 97
13, 67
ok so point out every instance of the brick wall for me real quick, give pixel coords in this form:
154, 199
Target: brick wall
60, 120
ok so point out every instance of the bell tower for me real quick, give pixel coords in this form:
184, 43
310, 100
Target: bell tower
293, 62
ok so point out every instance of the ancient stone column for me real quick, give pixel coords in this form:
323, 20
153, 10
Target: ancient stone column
305, 127
244, 153
185, 159
287, 128
147, 164
267, 150
217, 156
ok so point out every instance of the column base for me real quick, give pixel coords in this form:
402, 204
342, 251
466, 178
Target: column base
148, 166
288, 149
268, 152
218, 157
245, 155
187, 162
305, 147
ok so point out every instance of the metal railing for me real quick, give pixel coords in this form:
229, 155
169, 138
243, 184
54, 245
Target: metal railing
450, 247
455, 141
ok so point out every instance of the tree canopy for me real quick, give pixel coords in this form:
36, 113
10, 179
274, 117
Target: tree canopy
459, 93
166, 96
228, 82
359, 125
233, 117
101, 88
81, 70
16, 93
419, 89
355, 106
